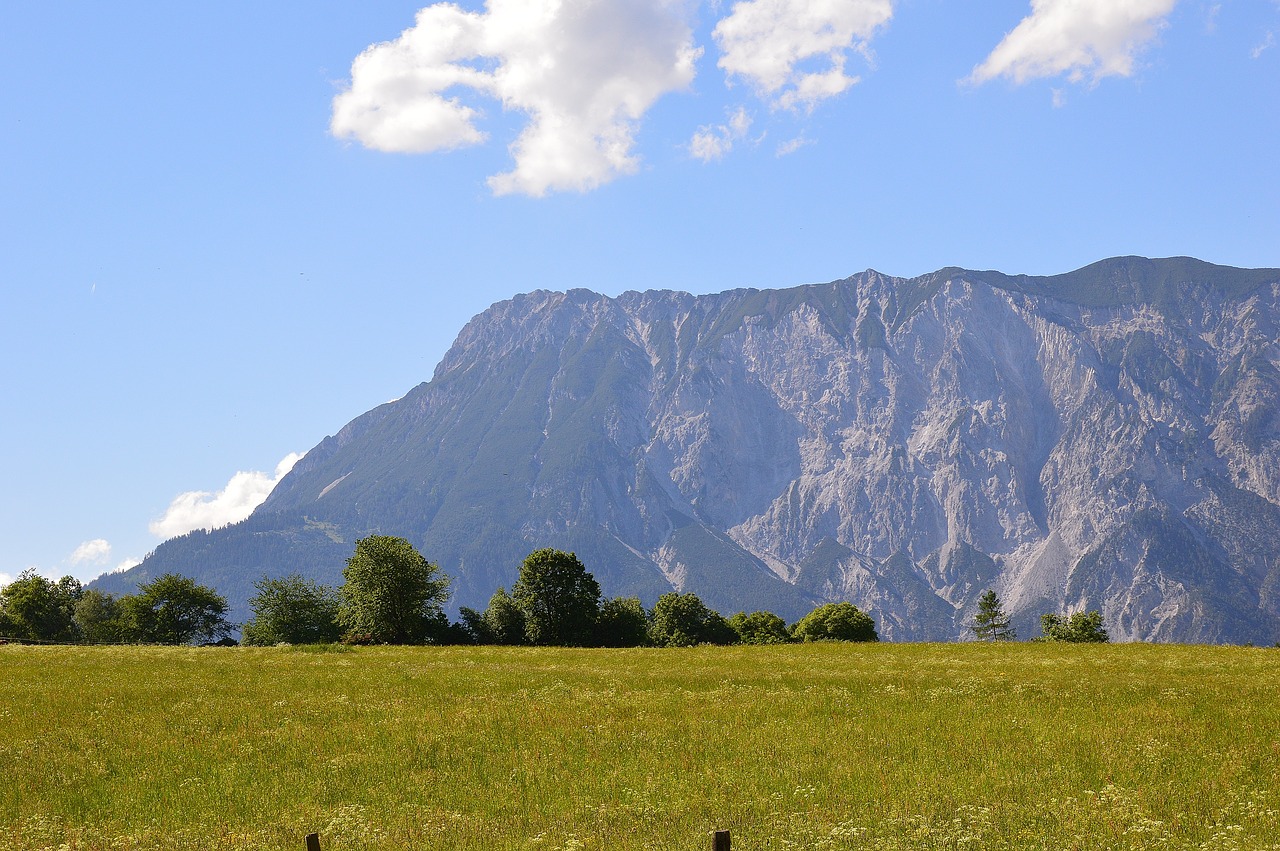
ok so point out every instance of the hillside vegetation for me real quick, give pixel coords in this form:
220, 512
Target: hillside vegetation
823, 746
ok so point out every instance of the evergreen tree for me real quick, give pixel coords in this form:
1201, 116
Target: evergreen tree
991, 623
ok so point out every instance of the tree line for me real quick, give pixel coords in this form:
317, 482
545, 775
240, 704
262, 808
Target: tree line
391, 594
171, 609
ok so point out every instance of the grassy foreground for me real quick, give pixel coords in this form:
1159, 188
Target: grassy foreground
814, 746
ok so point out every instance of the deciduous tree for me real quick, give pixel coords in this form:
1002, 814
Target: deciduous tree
504, 619
760, 628
99, 618
292, 610
392, 594
683, 620
836, 622
40, 609
1080, 628
623, 622
174, 609
560, 600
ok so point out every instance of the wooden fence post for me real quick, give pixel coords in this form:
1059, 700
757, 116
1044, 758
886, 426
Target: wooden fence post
721, 842
313, 842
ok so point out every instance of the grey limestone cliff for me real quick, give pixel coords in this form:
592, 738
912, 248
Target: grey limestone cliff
1103, 439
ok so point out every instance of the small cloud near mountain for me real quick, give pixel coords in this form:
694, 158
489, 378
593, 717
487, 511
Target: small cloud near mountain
96, 551
204, 510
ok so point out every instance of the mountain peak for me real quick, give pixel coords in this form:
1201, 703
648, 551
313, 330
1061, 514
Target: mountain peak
1105, 438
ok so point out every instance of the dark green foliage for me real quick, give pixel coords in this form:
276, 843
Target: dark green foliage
683, 620
474, 625
1082, 628
39, 609
504, 620
99, 618
622, 623
174, 609
836, 622
760, 628
292, 610
560, 600
392, 595
991, 623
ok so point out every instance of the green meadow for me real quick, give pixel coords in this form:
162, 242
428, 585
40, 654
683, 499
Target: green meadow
820, 746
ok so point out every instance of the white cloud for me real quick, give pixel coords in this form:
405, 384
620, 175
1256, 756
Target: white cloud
235, 502
96, 551
1080, 38
1267, 43
1211, 18
126, 565
712, 143
788, 148
5, 579
584, 71
793, 51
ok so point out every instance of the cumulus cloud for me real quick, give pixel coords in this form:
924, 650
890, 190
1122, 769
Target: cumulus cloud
5, 579
1079, 38
126, 565
583, 71
96, 551
711, 143
235, 502
793, 52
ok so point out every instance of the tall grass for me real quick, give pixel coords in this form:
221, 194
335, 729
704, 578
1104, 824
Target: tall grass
816, 746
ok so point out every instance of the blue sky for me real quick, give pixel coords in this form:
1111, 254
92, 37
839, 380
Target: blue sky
223, 237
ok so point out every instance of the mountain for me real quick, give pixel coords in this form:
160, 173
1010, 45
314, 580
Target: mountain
1107, 438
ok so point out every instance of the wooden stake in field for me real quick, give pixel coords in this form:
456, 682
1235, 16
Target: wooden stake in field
313, 842
721, 841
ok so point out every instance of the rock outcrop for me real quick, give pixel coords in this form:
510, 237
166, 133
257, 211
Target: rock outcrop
1106, 439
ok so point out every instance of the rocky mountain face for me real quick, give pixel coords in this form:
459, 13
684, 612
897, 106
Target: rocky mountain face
1106, 439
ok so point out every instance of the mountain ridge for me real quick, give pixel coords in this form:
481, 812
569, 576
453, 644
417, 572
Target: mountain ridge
904, 443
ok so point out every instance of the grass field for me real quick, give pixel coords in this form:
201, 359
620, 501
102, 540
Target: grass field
815, 746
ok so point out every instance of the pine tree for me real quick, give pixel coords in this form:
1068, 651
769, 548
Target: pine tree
991, 623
